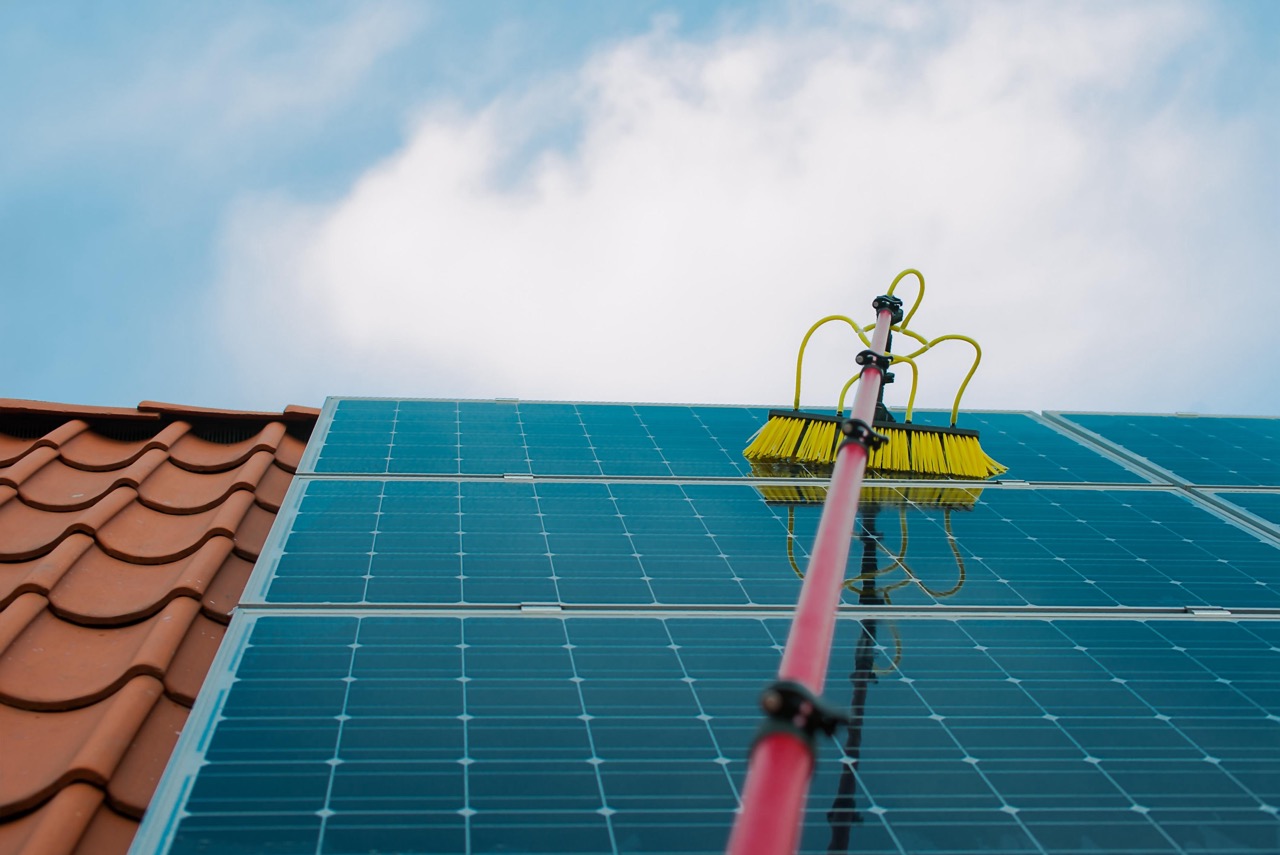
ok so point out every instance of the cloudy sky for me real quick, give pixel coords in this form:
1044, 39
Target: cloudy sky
248, 205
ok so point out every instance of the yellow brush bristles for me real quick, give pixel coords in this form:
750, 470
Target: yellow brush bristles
908, 452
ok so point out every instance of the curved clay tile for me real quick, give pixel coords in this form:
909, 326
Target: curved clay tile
252, 531
143, 536
27, 465
54, 749
289, 453
59, 487
95, 452
40, 575
52, 664
179, 491
135, 779
109, 833
191, 663
15, 619
201, 455
272, 488
13, 447
102, 590
56, 827
223, 594
26, 532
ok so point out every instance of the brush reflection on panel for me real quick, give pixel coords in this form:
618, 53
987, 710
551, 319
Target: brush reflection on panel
872, 588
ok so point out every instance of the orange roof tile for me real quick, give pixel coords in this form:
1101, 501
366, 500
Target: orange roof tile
126, 539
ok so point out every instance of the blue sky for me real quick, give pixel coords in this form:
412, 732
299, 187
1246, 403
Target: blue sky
247, 205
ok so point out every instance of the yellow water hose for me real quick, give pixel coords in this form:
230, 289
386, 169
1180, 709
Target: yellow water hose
902, 328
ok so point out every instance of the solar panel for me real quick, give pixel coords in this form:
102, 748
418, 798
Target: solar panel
1208, 450
1263, 505
675, 543
377, 437
432, 657
546, 734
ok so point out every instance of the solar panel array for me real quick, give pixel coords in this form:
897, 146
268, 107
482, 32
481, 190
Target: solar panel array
514, 627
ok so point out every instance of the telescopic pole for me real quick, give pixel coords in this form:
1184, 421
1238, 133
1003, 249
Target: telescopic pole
782, 758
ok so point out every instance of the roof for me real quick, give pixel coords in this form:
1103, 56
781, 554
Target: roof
126, 538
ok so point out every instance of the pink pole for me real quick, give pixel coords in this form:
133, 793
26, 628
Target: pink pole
780, 767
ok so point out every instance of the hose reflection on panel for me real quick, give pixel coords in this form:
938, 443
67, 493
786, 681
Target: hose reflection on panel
874, 586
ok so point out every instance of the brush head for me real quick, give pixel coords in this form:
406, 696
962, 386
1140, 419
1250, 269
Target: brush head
792, 439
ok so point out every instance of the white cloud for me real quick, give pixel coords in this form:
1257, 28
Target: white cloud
702, 203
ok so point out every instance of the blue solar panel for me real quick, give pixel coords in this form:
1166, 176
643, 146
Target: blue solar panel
496, 438
1033, 450
377, 437
382, 693
1209, 450
1263, 505
493, 542
541, 734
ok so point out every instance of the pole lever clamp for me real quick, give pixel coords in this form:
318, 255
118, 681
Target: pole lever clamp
856, 430
791, 708
870, 357
887, 302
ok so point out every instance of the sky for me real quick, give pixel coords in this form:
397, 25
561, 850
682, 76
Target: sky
247, 205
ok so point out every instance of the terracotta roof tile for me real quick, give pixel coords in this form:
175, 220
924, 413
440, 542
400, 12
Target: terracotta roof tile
223, 593
185, 674
271, 489
29, 532
100, 589
41, 574
289, 454
43, 667
201, 455
108, 831
139, 534
54, 488
58, 826
179, 491
94, 451
126, 539
13, 447
54, 749
135, 779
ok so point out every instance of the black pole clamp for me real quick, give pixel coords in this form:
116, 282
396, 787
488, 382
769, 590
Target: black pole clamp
856, 430
893, 304
870, 357
790, 708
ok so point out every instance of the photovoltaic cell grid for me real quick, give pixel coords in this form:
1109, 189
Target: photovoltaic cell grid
1264, 505
680, 544
544, 734
376, 437
1207, 450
